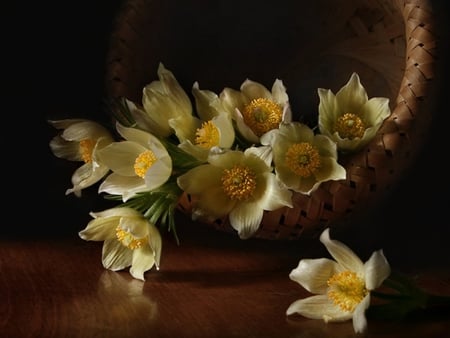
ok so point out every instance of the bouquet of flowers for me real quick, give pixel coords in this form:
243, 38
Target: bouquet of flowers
236, 154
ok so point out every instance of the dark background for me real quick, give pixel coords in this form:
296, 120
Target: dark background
55, 59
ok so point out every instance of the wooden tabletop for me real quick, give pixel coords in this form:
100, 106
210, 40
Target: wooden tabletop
211, 285
52, 283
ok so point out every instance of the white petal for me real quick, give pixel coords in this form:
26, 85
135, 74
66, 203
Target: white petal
313, 274
342, 253
359, 316
352, 96
115, 256
318, 307
142, 261
246, 218
377, 269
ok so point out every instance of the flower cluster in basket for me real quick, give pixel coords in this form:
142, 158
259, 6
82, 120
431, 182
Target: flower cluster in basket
237, 154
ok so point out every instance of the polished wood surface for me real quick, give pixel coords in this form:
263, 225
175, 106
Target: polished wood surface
211, 285
52, 283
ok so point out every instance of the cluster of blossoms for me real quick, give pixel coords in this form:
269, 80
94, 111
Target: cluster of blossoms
237, 154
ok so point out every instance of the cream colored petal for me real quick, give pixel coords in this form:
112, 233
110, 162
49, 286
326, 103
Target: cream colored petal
120, 157
214, 203
142, 261
232, 99
279, 93
343, 255
359, 316
175, 91
84, 130
297, 132
328, 111
199, 153
245, 218
207, 103
100, 229
318, 307
120, 212
125, 186
65, 123
254, 90
158, 174
376, 110
224, 125
200, 178
67, 150
243, 129
275, 195
326, 146
313, 274
352, 96
377, 269
86, 176
115, 256
330, 170
185, 126
155, 242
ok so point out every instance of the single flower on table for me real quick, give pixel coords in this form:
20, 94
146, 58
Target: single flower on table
341, 287
129, 240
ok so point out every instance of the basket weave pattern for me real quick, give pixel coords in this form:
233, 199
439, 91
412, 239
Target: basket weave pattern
391, 42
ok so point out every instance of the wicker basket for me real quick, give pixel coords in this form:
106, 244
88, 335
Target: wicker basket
391, 44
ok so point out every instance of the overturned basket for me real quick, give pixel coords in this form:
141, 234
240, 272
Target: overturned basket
389, 43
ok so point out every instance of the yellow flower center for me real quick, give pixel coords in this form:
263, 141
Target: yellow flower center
207, 136
129, 240
262, 115
303, 159
350, 126
346, 290
239, 182
143, 162
86, 148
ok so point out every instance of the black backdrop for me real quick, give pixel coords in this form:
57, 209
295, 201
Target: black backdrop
55, 58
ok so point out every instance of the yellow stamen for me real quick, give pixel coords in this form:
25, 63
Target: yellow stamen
128, 239
350, 126
262, 115
303, 159
143, 162
239, 182
207, 136
86, 148
346, 290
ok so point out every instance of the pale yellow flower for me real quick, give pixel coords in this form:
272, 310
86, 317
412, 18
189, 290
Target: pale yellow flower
256, 109
139, 163
302, 159
129, 240
238, 184
166, 108
341, 286
80, 140
349, 118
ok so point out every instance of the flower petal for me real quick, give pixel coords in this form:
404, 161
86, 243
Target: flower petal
115, 256
318, 307
343, 255
313, 274
359, 316
377, 269
352, 96
245, 218
142, 261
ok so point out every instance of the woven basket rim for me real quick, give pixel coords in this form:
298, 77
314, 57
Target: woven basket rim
371, 173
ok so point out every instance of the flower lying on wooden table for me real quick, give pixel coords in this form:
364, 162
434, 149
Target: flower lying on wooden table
237, 154
343, 288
